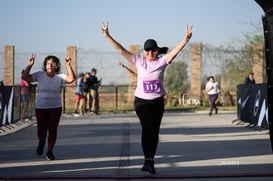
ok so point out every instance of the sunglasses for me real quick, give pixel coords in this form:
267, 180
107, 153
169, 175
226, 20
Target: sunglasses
150, 49
53, 64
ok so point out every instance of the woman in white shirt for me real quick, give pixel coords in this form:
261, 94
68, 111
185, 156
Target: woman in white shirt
212, 89
48, 106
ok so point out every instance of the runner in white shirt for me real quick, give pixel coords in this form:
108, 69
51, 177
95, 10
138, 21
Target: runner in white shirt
212, 89
48, 106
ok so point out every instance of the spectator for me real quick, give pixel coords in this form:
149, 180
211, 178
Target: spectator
94, 91
250, 79
79, 95
23, 97
88, 82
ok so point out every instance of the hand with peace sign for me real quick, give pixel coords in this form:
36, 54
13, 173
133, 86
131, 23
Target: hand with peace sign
188, 33
31, 60
67, 59
104, 29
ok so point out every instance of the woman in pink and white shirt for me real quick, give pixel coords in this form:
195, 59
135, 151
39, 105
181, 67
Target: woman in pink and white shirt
149, 93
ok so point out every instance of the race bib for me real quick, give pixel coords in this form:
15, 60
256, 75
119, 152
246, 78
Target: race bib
151, 86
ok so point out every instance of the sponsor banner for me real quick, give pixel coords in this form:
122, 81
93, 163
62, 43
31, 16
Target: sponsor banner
6, 108
252, 104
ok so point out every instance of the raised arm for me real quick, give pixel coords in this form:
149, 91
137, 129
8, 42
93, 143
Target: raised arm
172, 54
70, 73
124, 52
26, 76
128, 69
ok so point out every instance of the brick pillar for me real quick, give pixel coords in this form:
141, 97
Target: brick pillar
258, 63
70, 88
196, 71
132, 79
9, 65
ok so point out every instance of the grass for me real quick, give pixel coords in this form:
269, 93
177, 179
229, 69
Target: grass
199, 108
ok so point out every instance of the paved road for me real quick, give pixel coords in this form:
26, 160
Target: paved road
193, 146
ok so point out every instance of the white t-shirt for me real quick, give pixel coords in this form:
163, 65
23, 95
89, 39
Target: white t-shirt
48, 89
215, 86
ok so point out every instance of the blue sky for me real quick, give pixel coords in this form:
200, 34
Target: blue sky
52, 25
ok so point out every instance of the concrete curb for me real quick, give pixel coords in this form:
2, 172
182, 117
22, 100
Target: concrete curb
13, 127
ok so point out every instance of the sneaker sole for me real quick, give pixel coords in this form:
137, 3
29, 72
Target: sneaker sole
148, 169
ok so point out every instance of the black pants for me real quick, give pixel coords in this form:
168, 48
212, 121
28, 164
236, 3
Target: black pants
47, 123
150, 113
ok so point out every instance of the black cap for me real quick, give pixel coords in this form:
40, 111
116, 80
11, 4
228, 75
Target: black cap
150, 44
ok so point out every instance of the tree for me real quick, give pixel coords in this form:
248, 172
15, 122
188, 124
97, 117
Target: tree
176, 80
238, 66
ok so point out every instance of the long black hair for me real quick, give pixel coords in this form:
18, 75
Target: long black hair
163, 50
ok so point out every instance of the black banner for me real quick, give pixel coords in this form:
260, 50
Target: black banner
252, 104
6, 102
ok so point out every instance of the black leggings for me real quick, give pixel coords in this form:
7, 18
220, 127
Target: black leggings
150, 113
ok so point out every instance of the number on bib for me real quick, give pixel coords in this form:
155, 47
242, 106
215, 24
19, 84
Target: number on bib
151, 86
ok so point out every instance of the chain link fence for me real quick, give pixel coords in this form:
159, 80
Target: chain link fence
115, 80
